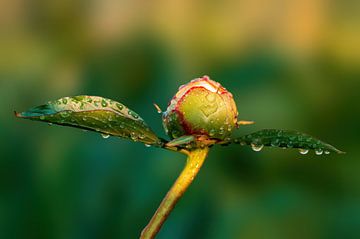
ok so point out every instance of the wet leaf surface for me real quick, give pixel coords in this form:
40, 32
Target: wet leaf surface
285, 139
97, 114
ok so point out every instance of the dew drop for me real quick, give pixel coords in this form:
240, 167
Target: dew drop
256, 147
133, 136
275, 143
105, 136
64, 114
147, 145
42, 117
104, 103
303, 151
212, 132
318, 151
326, 152
120, 107
133, 114
50, 124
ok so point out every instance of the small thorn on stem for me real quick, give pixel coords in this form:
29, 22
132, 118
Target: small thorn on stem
158, 109
245, 122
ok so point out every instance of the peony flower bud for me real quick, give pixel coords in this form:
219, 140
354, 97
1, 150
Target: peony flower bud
201, 108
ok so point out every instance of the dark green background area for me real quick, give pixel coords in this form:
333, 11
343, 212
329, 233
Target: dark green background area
58, 182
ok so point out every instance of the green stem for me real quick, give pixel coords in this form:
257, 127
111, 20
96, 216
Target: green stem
194, 162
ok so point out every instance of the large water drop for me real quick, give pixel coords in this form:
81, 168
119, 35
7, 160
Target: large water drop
318, 151
303, 151
256, 147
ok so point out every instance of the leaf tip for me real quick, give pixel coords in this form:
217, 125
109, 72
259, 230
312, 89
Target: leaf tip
340, 152
17, 114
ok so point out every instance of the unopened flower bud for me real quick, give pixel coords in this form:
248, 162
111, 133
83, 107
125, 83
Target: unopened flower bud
201, 107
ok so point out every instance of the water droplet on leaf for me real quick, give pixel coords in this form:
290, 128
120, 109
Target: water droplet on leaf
275, 143
133, 136
303, 151
318, 151
256, 147
120, 107
105, 136
64, 114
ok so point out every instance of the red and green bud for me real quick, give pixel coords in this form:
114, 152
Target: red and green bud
202, 107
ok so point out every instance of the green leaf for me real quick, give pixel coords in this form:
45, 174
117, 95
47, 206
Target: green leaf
285, 139
94, 113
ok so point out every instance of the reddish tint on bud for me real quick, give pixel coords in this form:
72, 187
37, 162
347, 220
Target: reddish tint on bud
201, 107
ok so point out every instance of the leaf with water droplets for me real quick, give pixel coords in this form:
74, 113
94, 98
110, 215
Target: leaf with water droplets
285, 139
94, 113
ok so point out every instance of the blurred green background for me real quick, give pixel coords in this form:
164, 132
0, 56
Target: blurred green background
289, 64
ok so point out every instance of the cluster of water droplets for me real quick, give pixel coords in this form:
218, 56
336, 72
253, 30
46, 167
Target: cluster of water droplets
257, 145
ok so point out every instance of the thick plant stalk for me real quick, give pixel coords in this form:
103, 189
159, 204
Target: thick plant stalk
194, 162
